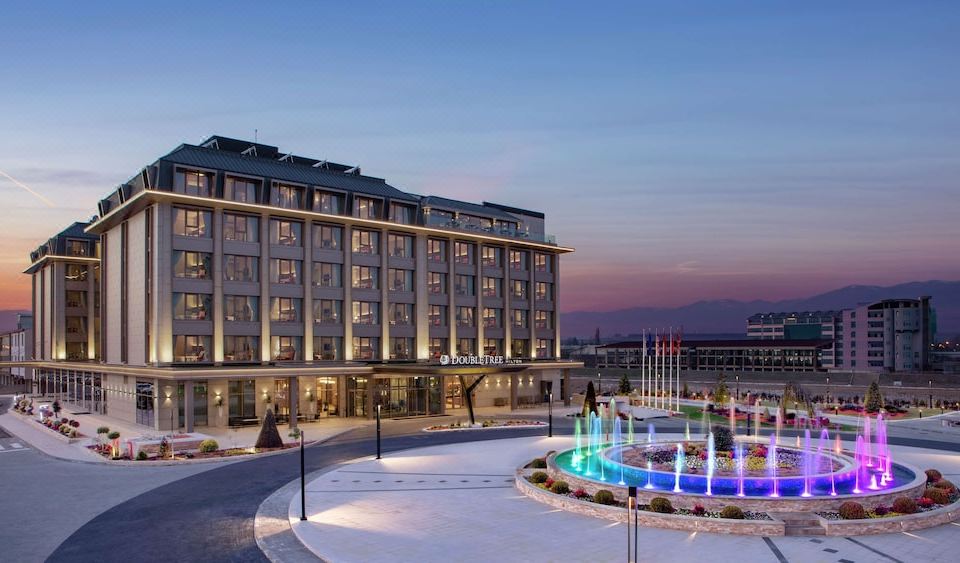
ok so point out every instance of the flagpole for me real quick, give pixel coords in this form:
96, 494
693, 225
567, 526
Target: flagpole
643, 365
670, 382
679, 342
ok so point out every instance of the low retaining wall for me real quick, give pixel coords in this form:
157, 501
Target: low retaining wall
753, 504
907, 523
646, 518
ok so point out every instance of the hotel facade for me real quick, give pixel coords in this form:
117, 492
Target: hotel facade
228, 277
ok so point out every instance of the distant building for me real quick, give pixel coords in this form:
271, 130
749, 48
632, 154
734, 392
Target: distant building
891, 335
717, 355
17, 346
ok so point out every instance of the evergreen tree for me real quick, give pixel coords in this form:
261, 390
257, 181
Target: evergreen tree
721, 395
624, 388
873, 401
590, 401
269, 435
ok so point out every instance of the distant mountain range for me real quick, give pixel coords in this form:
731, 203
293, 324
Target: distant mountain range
730, 317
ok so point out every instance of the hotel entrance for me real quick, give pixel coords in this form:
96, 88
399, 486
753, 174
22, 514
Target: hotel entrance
408, 396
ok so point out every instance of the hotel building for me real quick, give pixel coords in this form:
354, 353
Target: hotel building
722, 355
808, 325
17, 346
229, 277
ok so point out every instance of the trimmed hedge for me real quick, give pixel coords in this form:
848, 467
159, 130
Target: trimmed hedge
905, 505
209, 445
603, 496
560, 487
539, 463
539, 477
661, 505
732, 512
852, 510
933, 475
946, 485
937, 495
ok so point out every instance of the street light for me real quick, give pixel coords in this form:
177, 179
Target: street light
738, 386
378, 431
930, 387
599, 384
828, 389
303, 482
550, 416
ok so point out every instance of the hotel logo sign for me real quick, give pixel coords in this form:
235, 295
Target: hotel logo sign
472, 360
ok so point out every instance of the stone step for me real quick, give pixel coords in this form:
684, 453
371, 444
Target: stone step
804, 531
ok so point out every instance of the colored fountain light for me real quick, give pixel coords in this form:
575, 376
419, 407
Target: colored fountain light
741, 462
678, 464
711, 462
772, 465
649, 484
807, 463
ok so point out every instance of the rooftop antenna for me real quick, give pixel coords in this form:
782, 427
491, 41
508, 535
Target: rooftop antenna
255, 135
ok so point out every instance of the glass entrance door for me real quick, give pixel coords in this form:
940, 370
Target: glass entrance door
328, 398
454, 394
281, 400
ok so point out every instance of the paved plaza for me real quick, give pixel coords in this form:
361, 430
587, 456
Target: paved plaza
457, 502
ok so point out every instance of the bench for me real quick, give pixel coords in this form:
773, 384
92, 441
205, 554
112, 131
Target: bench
241, 421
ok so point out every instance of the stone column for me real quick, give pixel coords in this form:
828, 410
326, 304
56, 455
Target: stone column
513, 391
293, 398
188, 406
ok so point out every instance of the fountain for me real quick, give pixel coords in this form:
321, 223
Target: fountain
756, 429
733, 416
772, 465
741, 461
868, 449
630, 436
704, 419
822, 446
651, 433
649, 484
578, 440
779, 424
807, 461
858, 458
617, 438
711, 463
679, 463
686, 435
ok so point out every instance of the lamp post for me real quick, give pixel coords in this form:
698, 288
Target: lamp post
828, 389
378, 431
303, 483
738, 387
550, 416
599, 384
930, 387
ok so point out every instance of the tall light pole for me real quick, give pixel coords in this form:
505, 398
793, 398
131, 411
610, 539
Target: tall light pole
828, 389
378, 431
930, 387
303, 483
550, 416
738, 387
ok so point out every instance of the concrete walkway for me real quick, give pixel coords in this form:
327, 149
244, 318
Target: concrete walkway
457, 502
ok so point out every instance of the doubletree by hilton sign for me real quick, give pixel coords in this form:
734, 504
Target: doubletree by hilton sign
472, 360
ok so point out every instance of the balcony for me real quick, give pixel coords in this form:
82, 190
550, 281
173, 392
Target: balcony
446, 223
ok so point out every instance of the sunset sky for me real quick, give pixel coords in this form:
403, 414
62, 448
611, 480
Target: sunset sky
745, 150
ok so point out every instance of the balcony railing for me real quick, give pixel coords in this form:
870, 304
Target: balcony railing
455, 225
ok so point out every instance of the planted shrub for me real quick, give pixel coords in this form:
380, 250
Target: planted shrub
560, 488
141, 455
946, 485
937, 495
580, 493
661, 505
209, 445
732, 512
852, 510
905, 505
269, 435
603, 496
881, 510
699, 510
539, 477
933, 475
539, 463
113, 435
548, 483
722, 438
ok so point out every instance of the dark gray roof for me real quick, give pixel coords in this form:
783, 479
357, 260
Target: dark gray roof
466, 207
190, 155
803, 315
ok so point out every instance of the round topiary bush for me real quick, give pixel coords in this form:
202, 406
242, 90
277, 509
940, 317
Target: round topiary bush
937, 495
852, 510
732, 512
661, 505
603, 496
905, 505
539, 463
539, 477
946, 485
560, 488
722, 438
141, 455
209, 445
933, 475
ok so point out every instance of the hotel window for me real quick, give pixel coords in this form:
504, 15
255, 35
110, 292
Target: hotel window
76, 272
518, 289
240, 227
465, 285
400, 213
285, 349
466, 346
191, 222
401, 313
77, 248
366, 242
328, 202
401, 348
518, 348
326, 237
329, 348
191, 306
544, 291
544, 262
366, 313
366, 348
75, 325
465, 316
400, 246
493, 347
326, 274
240, 189
241, 348
493, 256
519, 318
366, 208
544, 320
437, 283
241, 268
286, 309
285, 271
327, 311
437, 347
285, 233
492, 287
399, 280
192, 182
366, 277
436, 251
288, 197
492, 317
243, 308
77, 299
463, 253
437, 315
191, 348
518, 260
191, 265
544, 348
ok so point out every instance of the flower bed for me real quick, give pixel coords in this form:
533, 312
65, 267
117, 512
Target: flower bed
489, 424
940, 492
